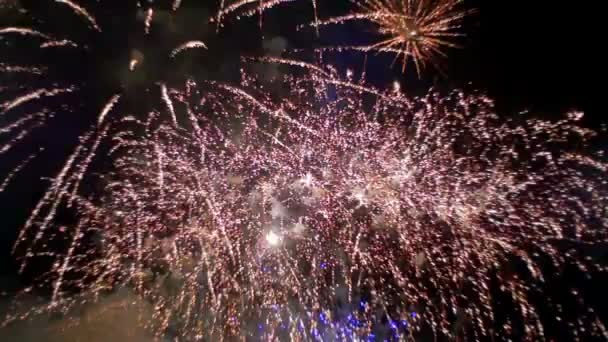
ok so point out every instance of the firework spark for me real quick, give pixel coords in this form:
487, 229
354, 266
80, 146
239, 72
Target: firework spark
23, 31
107, 108
194, 44
79, 10
4, 68
261, 6
248, 8
148, 20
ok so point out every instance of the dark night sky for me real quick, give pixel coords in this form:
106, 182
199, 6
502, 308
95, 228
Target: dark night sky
525, 56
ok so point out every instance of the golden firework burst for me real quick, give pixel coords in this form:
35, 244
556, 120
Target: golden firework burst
419, 30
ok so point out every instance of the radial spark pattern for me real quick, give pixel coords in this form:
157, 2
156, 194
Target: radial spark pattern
413, 30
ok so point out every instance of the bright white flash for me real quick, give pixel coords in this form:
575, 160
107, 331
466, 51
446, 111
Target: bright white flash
272, 238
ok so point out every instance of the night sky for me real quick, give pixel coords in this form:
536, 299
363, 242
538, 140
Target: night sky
526, 57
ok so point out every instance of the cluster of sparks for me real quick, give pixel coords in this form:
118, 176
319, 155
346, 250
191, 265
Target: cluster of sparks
322, 209
332, 211
30, 84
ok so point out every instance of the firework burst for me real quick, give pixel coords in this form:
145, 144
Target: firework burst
414, 30
65, 66
315, 207
336, 211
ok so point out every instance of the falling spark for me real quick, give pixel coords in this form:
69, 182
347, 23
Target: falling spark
263, 5
168, 102
16, 170
107, 108
37, 94
81, 12
193, 44
59, 43
24, 31
316, 24
276, 60
4, 68
133, 63
148, 21
176, 4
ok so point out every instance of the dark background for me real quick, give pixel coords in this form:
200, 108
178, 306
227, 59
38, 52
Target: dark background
526, 56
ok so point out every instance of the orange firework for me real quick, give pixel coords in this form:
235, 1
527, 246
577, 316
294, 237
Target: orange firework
419, 30
415, 29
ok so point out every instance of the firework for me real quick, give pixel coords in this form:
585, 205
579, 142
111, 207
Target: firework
336, 211
413, 30
315, 207
38, 86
